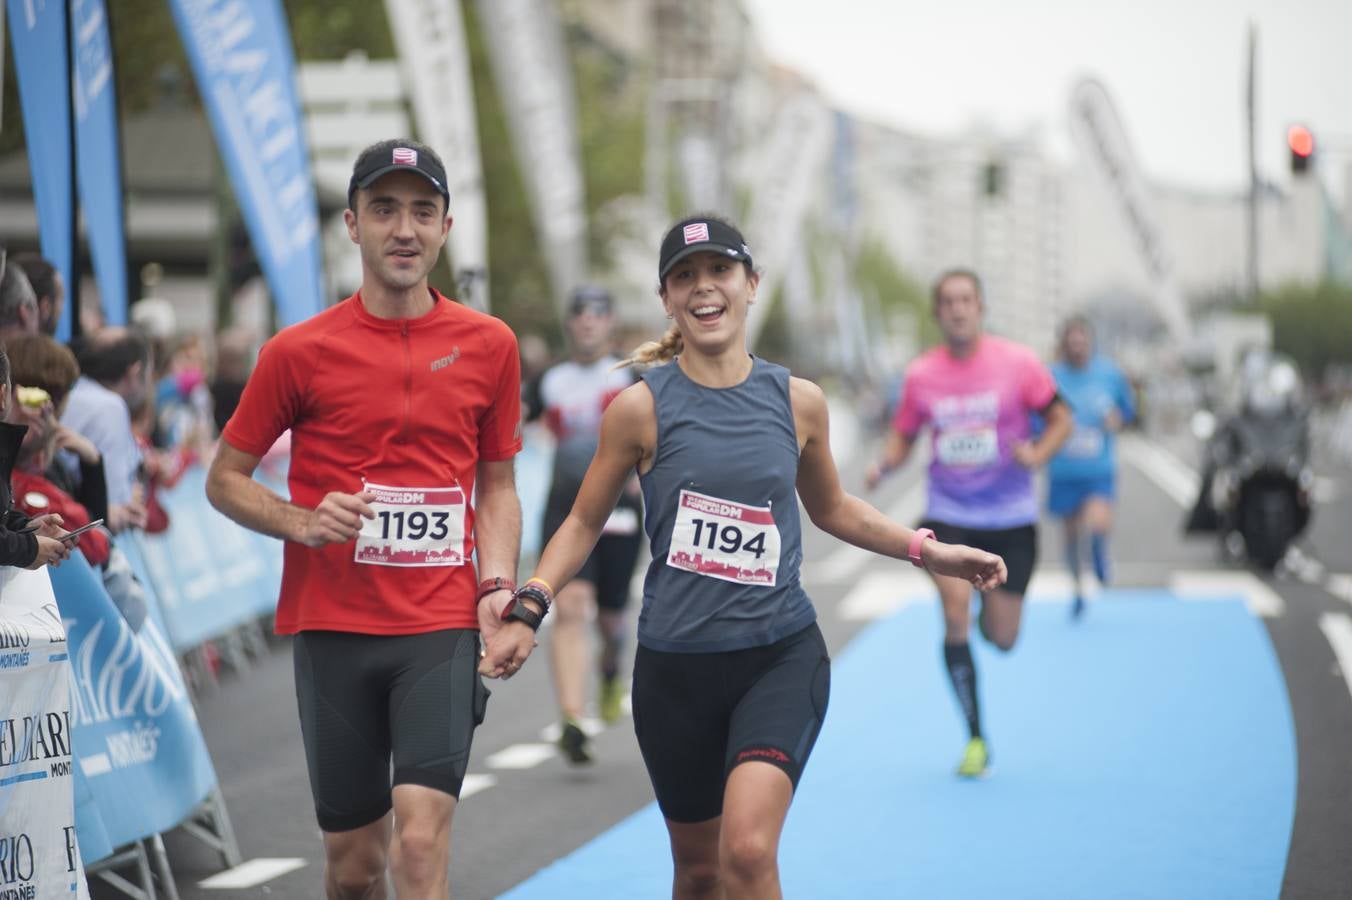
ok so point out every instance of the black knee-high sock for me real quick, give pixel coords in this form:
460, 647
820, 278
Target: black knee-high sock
962, 672
612, 642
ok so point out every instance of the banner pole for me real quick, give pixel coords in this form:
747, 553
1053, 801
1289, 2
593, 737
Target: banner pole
73, 289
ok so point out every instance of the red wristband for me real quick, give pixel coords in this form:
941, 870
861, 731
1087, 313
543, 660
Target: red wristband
492, 585
913, 550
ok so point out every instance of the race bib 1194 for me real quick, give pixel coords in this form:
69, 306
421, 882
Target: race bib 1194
413, 526
725, 540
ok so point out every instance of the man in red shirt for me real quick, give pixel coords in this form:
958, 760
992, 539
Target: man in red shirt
402, 406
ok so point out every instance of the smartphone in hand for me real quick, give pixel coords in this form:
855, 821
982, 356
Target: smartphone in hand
70, 536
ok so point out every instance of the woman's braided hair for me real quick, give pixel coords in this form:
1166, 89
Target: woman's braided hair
654, 353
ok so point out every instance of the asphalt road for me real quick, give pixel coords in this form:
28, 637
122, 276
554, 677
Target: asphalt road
525, 809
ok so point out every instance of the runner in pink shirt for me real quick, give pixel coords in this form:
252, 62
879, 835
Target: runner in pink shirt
976, 394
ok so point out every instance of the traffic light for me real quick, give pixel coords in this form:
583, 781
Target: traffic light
1301, 141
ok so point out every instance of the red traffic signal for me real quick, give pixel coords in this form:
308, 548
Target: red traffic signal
1301, 141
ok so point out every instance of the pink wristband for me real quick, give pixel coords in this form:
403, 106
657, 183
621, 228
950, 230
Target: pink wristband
913, 550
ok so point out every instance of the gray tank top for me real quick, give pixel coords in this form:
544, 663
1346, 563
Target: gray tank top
721, 512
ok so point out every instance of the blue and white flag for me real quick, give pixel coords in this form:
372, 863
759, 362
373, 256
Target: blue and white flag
99, 157
37, 31
240, 51
142, 764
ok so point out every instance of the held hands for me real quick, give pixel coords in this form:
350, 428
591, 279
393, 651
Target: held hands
507, 645
337, 519
985, 571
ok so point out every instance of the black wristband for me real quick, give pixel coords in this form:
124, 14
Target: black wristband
522, 613
533, 590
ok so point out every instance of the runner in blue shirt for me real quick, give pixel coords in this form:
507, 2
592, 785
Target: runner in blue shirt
1082, 477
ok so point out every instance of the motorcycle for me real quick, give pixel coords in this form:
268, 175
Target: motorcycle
1256, 492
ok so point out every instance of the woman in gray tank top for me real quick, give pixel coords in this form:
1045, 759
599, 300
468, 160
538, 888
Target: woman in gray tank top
731, 676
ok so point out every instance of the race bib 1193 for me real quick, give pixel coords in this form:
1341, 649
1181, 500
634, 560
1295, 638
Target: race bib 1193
725, 540
413, 526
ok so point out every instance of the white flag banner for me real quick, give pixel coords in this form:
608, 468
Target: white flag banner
1101, 137
39, 853
790, 165
530, 65
430, 38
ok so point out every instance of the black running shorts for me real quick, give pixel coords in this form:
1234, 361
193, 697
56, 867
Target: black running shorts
610, 565
1018, 547
699, 715
365, 699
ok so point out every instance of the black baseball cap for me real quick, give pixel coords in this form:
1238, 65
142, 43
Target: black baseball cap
591, 298
392, 156
699, 233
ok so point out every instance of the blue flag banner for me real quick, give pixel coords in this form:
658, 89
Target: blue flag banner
37, 33
142, 762
99, 155
240, 51
210, 574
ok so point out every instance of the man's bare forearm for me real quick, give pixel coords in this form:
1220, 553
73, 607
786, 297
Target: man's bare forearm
255, 506
497, 533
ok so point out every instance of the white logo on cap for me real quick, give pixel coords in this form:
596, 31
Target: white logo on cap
403, 156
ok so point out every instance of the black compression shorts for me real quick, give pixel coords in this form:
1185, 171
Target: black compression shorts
610, 565
699, 715
1018, 547
366, 698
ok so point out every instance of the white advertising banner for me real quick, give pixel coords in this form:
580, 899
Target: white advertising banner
1100, 135
530, 66
39, 854
430, 38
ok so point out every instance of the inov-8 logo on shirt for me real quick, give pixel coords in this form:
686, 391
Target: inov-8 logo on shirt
724, 539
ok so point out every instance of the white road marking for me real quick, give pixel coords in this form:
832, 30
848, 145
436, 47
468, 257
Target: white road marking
1340, 586
251, 873
1306, 568
1057, 584
521, 756
590, 726
1258, 597
1337, 627
1325, 490
473, 784
879, 594
1171, 474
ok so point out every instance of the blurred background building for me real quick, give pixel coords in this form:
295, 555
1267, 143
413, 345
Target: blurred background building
679, 108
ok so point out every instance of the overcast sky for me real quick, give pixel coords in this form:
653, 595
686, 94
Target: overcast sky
1175, 68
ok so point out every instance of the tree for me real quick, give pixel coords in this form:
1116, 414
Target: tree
1311, 324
